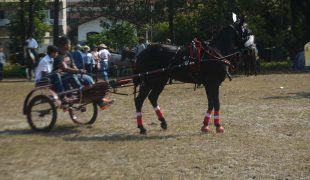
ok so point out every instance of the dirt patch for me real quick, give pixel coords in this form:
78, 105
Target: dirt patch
267, 136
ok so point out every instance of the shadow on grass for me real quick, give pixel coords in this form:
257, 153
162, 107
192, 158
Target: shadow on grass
15, 81
127, 137
291, 96
57, 131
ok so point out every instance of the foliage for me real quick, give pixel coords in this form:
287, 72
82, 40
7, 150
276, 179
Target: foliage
161, 31
185, 29
17, 30
119, 35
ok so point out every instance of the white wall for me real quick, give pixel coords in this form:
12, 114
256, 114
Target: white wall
90, 26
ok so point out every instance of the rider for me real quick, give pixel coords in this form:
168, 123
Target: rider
31, 55
32, 45
45, 67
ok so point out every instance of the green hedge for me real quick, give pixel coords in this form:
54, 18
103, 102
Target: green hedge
275, 65
14, 71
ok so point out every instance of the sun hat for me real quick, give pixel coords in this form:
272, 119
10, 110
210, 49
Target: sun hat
86, 48
103, 46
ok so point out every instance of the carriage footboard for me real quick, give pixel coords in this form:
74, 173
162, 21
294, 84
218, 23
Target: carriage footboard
94, 93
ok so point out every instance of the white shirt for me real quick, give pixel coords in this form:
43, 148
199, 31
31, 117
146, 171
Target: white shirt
45, 65
32, 43
140, 48
2, 58
104, 55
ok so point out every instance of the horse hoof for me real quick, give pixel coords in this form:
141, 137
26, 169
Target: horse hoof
142, 130
163, 124
205, 129
220, 129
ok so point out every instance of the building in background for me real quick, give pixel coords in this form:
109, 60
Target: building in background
71, 23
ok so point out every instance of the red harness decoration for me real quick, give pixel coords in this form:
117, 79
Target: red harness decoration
195, 53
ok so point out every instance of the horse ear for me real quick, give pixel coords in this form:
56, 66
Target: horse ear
234, 16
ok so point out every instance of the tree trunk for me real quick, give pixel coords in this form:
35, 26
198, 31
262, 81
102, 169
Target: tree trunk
170, 20
23, 25
31, 18
56, 22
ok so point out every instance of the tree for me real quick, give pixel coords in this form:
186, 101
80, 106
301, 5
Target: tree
141, 13
119, 35
35, 19
279, 24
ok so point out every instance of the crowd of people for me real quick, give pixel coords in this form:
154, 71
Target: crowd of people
67, 70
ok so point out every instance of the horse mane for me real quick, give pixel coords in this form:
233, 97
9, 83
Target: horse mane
221, 39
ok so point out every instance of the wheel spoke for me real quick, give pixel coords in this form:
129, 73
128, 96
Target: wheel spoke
41, 114
83, 113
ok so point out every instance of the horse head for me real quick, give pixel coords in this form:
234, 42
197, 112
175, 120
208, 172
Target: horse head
231, 41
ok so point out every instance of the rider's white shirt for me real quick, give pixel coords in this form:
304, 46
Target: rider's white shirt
45, 65
32, 43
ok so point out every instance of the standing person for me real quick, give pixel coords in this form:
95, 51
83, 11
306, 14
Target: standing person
45, 68
104, 56
78, 57
2, 61
96, 66
31, 56
168, 41
88, 60
140, 47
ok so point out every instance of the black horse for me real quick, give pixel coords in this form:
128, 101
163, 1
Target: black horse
210, 68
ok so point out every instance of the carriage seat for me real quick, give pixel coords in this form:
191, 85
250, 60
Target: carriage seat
43, 82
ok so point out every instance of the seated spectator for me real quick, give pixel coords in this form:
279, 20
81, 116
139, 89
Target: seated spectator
65, 63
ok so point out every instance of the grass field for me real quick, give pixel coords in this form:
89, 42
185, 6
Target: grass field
267, 135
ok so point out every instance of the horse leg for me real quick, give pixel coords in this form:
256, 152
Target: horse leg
208, 114
26, 71
213, 103
153, 97
31, 73
143, 93
217, 121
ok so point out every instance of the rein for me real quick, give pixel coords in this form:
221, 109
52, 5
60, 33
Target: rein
218, 57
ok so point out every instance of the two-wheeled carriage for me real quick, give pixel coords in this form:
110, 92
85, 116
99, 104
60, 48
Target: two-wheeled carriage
41, 104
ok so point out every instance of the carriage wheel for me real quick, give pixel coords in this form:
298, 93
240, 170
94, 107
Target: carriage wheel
83, 113
41, 113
